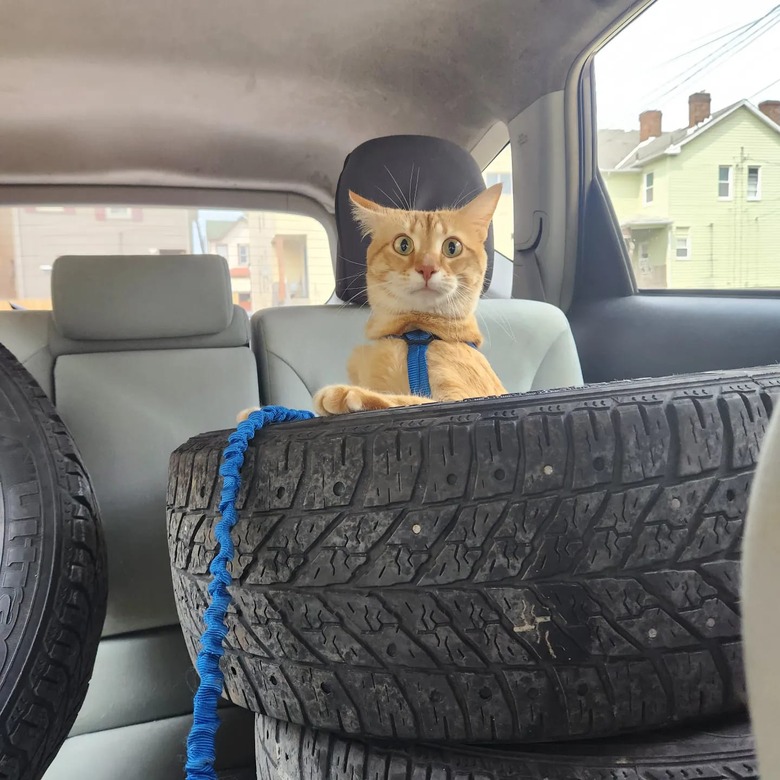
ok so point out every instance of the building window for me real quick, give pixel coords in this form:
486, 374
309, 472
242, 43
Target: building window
682, 244
51, 209
754, 182
649, 185
724, 182
495, 177
222, 251
243, 254
114, 212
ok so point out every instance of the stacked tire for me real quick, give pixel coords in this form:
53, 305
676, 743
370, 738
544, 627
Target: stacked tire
442, 592
53, 578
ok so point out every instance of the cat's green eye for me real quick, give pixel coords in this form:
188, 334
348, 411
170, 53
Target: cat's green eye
451, 247
403, 245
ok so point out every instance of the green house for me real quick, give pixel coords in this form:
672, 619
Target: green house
699, 207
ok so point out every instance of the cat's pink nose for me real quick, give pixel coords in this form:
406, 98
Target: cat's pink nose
427, 272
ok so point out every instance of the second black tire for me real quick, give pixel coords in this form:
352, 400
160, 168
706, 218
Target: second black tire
53, 584
718, 752
547, 566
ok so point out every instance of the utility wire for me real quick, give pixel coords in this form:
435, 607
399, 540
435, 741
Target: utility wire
748, 35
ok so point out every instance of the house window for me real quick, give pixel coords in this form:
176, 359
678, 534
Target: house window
51, 209
682, 244
495, 177
724, 182
498, 170
649, 185
114, 212
222, 251
754, 182
243, 254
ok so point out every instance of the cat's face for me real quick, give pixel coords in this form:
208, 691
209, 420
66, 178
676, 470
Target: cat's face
426, 261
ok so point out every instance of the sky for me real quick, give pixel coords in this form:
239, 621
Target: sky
678, 47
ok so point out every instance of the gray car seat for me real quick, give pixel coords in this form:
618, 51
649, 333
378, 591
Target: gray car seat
301, 349
139, 354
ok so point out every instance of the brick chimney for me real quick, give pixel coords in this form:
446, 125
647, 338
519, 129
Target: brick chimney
649, 125
771, 108
698, 108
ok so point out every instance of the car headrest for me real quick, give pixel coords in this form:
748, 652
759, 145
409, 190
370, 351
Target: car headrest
118, 298
398, 171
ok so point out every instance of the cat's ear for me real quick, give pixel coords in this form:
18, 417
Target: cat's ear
480, 210
366, 213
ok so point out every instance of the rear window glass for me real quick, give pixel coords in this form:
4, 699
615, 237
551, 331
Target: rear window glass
275, 258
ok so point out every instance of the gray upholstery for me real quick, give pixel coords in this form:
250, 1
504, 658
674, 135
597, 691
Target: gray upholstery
760, 597
301, 349
151, 751
164, 289
26, 335
128, 412
129, 402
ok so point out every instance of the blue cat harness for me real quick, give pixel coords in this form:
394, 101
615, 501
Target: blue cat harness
417, 342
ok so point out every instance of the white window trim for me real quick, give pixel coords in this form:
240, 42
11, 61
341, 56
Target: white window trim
757, 196
645, 201
125, 212
730, 196
687, 238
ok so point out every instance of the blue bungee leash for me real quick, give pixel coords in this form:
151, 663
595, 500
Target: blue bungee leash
417, 343
201, 742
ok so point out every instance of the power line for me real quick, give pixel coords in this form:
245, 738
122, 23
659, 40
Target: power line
768, 86
731, 31
748, 35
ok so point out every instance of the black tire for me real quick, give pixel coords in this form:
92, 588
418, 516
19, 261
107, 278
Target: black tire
530, 568
287, 751
52, 577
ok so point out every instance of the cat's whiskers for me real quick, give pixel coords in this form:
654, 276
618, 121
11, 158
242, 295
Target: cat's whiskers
400, 191
392, 200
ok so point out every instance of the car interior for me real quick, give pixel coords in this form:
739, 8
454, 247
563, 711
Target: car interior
261, 108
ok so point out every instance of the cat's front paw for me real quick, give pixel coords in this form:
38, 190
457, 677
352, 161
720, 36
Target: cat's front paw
244, 414
342, 399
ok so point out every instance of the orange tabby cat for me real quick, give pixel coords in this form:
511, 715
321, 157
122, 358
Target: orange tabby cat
425, 271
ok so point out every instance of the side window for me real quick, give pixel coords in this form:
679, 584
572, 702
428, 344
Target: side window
275, 258
693, 173
500, 170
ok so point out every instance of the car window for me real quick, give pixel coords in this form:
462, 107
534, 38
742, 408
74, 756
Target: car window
688, 103
500, 170
275, 259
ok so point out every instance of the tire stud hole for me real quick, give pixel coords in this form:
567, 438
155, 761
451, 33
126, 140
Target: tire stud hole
485, 693
272, 679
339, 488
451, 479
582, 689
326, 689
280, 492
730, 495
499, 474
599, 464
392, 650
